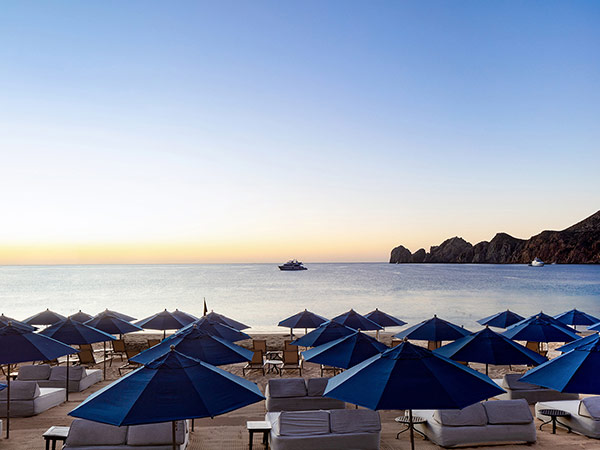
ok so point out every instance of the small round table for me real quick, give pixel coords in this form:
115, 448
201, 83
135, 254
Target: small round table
405, 420
554, 414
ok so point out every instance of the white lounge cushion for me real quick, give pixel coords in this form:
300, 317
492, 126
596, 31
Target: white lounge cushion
472, 415
590, 407
501, 412
34, 373
21, 390
316, 386
59, 373
287, 387
354, 421
156, 434
511, 381
87, 433
303, 423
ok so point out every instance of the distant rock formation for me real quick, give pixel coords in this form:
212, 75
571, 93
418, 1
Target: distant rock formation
578, 244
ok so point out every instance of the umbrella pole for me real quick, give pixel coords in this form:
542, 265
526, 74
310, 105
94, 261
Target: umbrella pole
173, 435
67, 382
412, 433
104, 362
193, 424
7, 401
486, 369
291, 333
164, 334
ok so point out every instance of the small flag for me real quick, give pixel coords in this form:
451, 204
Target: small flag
205, 308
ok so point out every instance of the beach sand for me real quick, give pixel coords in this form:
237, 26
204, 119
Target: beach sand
229, 430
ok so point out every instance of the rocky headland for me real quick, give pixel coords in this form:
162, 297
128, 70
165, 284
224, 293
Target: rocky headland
578, 244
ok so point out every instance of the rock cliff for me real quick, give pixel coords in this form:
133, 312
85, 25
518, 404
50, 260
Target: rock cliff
578, 244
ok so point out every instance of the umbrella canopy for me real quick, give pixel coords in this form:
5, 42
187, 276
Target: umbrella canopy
547, 318
327, 332
304, 319
44, 318
80, 316
503, 319
110, 323
575, 371
71, 331
489, 347
4, 320
383, 319
411, 377
434, 329
539, 329
226, 321
121, 316
576, 317
217, 329
354, 320
345, 352
578, 343
198, 344
595, 327
164, 320
172, 387
184, 316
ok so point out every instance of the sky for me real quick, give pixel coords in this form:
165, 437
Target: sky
258, 131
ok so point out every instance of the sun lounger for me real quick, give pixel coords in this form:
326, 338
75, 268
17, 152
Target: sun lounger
516, 389
298, 394
118, 348
257, 363
585, 414
291, 361
80, 378
88, 435
28, 399
357, 429
491, 422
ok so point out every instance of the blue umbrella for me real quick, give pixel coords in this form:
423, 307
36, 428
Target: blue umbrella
2, 386
72, 332
579, 342
576, 317
217, 329
410, 377
184, 316
488, 347
44, 318
327, 332
4, 320
384, 319
345, 352
172, 387
354, 320
164, 320
121, 316
226, 321
575, 371
20, 345
304, 319
539, 329
547, 318
80, 316
595, 327
198, 344
434, 329
503, 319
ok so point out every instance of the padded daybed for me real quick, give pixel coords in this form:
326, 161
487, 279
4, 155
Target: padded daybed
28, 399
80, 378
349, 429
88, 435
585, 414
490, 422
516, 389
298, 394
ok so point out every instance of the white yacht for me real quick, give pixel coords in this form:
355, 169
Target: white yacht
292, 264
537, 262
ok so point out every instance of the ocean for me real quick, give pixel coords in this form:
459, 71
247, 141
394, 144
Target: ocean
261, 295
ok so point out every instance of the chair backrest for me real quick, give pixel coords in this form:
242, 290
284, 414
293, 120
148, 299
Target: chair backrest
131, 352
87, 347
396, 342
259, 344
86, 357
535, 346
118, 345
257, 357
287, 346
291, 357
153, 342
432, 345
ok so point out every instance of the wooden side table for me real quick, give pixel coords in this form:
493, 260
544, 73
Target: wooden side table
54, 434
263, 427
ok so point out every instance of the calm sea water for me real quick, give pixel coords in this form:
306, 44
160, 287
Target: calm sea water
261, 295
